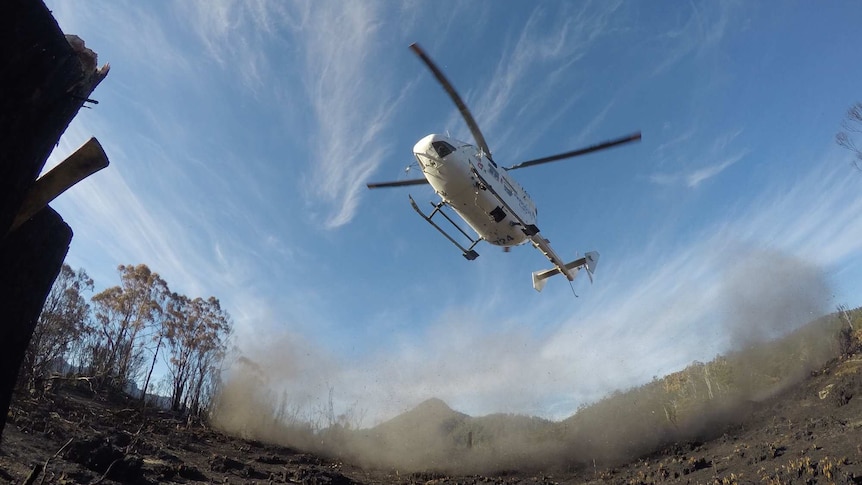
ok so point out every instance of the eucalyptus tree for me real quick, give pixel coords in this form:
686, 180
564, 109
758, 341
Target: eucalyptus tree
124, 314
197, 336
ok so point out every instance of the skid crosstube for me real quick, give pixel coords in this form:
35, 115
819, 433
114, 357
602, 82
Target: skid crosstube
468, 253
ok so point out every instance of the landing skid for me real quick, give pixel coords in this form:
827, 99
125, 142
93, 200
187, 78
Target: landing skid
468, 253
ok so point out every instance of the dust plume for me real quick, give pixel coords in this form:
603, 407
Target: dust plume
768, 293
770, 302
287, 393
272, 397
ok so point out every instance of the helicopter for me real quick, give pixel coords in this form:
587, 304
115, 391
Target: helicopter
484, 194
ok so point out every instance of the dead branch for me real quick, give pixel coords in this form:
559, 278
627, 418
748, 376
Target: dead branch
45, 467
34, 473
110, 467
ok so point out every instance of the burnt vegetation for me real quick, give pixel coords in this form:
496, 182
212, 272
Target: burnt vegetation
115, 340
851, 128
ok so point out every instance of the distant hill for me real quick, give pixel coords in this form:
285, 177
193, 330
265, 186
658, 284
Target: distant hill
420, 438
431, 417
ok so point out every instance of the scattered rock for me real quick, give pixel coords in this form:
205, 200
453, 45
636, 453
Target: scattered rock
271, 460
222, 464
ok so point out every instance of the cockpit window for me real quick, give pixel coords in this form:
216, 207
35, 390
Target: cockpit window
442, 148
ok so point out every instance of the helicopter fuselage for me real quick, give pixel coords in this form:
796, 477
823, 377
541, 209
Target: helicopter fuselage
483, 194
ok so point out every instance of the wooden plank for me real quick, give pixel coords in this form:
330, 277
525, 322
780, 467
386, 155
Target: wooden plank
87, 160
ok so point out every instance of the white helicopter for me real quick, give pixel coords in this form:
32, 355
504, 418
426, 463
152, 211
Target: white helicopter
484, 195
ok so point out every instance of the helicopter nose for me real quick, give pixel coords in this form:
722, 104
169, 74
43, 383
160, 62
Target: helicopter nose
423, 147
425, 153
435, 147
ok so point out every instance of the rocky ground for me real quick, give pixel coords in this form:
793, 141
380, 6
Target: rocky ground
811, 433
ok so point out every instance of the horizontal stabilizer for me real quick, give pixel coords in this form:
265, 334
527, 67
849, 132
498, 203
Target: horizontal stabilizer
589, 261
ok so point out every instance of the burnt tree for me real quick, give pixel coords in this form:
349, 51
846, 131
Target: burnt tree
45, 78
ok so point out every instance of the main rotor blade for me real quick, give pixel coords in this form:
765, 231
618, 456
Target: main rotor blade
400, 183
465, 112
583, 151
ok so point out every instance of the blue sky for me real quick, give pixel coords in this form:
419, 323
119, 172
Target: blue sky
242, 134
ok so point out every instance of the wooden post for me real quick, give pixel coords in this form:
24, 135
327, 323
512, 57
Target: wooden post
45, 78
30, 259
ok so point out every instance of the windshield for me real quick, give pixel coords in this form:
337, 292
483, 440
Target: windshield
442, 148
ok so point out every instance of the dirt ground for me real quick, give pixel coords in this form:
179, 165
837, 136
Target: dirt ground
811, 433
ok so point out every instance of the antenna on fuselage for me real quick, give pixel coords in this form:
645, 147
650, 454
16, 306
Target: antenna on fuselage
408, 168
572, 286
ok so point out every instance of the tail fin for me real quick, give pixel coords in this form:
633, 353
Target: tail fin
589, 261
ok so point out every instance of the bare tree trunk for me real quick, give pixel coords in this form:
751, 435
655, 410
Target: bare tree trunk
150, 373
708, 383
44, 81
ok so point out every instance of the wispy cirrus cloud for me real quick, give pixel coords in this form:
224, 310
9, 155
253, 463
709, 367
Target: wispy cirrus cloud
692, 179
513, 90
704, 27
126, 225
350, 102
670, 145
716, 156
244, 38
343, 90
158, 58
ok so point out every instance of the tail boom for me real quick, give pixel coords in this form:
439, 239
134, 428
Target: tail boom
589, 262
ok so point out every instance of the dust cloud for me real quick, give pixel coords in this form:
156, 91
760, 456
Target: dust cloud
768, 293
770, 303
773, 305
